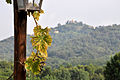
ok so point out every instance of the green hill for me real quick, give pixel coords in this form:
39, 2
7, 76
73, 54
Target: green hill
75, 43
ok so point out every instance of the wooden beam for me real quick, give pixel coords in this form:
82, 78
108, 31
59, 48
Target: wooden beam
20, 25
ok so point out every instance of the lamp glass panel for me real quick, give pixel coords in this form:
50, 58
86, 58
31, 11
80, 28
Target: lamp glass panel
20, 4
37, 3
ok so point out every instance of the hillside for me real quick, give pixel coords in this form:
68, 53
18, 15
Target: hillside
76, 43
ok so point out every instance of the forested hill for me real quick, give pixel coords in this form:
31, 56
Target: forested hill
75, 42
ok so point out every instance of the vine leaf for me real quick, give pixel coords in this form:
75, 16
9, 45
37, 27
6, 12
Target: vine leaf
41, 40
9, 1
34, 64
36, 14
41, 11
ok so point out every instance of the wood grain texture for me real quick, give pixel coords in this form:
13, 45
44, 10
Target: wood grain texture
20, 25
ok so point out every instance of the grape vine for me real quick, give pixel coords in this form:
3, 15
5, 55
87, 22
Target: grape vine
41, 40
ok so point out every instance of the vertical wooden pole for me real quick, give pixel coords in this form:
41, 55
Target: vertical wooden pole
20, 23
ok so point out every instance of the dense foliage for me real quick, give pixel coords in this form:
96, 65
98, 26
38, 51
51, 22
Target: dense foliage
76, 43
112, 68
67, 72
6, 69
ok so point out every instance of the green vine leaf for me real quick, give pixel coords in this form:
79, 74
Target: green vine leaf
35, 63
9, 1
41, 40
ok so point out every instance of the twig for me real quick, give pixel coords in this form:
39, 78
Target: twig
36, 22
10, 76
40, 5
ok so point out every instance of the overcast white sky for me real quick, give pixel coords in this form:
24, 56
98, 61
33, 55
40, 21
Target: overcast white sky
92, 12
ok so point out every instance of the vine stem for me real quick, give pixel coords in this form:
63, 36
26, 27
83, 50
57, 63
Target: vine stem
35, 21
10, 76
39, 11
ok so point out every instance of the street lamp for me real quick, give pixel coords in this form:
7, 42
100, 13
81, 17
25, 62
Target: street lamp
29, 5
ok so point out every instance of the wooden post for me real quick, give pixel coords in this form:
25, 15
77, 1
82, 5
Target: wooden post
20, 23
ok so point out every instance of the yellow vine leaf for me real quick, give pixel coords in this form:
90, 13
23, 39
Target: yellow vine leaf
36, 14
41, 39
35, 63
41, 11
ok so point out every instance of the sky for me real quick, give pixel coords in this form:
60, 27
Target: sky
91, 12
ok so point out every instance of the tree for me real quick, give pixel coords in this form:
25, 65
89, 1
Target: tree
49, 77
112, 68
79, 74
90, 69
62, 73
